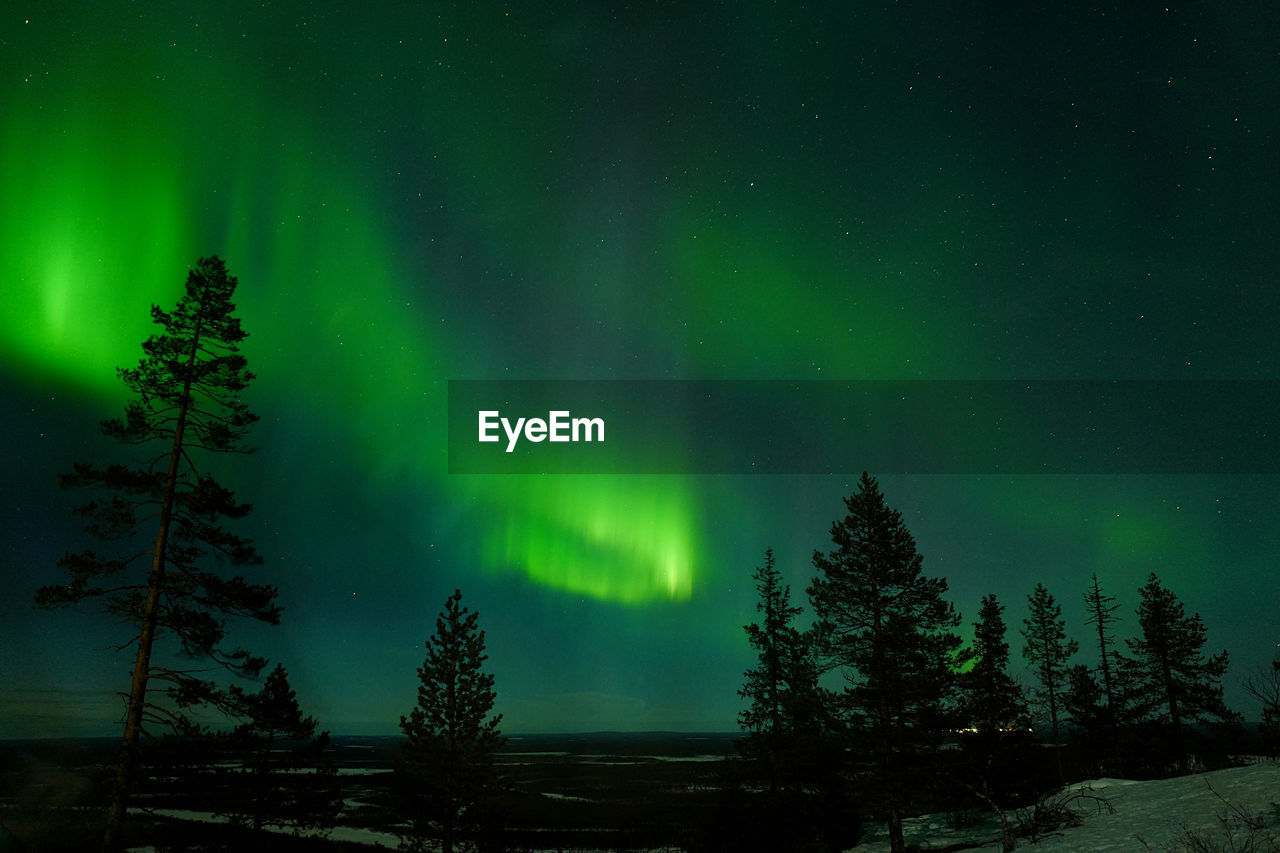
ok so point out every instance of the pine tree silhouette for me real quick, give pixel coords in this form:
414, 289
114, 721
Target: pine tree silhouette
1048, 650
886, 626
186, 398
450, 787
1169, 667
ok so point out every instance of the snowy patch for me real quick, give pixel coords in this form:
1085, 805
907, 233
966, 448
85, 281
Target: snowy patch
1148, 815
354, 834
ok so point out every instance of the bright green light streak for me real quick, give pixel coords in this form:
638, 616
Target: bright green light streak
625, 539
92, 214
615, 538
105, 207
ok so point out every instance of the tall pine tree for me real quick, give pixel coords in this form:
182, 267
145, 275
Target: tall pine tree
186, 398
886, 626
449, 784
1172, 674
1048, 650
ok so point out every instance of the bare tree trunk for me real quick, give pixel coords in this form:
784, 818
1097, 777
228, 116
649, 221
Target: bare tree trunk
1053, 710
128, 756
896, 842
1175, 717
127, 761
1008, 841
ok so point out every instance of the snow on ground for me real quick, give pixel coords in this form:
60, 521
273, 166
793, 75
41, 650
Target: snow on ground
338, 833
1148, 816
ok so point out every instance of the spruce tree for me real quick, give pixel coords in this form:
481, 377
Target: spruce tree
791, 757
997, 748
449, 785
285, 777
776, 642
887, 628
994, 702
1170, 669
1048, 650
165, 514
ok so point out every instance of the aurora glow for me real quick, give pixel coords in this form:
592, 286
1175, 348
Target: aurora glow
416, 193
364, 339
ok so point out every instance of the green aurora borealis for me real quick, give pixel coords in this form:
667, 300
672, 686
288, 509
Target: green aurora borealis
419, 192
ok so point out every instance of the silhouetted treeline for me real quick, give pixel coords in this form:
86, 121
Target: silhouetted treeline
877, 712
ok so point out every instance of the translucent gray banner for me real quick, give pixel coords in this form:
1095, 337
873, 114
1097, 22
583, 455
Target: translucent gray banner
886, 427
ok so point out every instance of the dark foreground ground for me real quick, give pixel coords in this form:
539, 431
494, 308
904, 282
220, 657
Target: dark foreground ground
591, 791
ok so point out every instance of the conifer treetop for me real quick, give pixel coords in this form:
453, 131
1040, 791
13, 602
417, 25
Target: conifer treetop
455, 695
195, 362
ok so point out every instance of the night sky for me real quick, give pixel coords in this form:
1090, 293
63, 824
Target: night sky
413, 193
